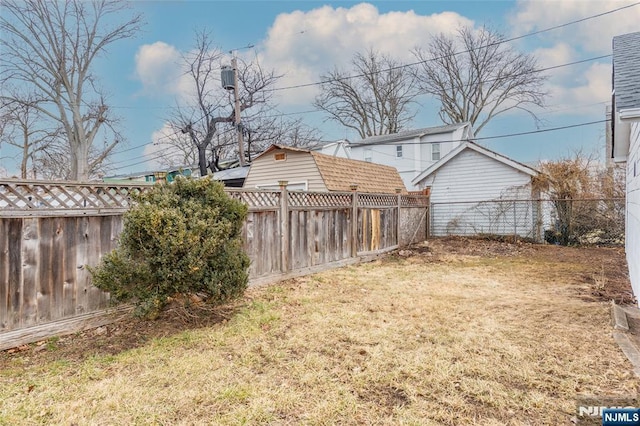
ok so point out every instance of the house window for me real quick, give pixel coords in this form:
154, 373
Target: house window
280, 156
399, 151
367, 154
435, 151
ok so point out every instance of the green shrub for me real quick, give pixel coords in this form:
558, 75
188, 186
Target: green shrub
179, 238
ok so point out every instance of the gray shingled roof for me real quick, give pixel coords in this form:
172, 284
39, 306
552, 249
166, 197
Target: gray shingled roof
408, 134
626, 71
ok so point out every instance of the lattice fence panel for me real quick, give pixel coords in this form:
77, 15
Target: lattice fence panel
29, 195
256, 198
377, 200
414, 201
320, 199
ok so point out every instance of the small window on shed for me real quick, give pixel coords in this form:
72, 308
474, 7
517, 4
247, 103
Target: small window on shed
280, 156
399, 151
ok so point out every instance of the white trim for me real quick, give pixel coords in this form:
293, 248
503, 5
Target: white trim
629, 114
276, 187
479, 149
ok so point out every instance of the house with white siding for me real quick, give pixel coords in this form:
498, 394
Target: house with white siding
477, 191
307, 170
625, 125
410, 152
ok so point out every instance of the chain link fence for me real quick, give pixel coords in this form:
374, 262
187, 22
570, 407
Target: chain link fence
584, 221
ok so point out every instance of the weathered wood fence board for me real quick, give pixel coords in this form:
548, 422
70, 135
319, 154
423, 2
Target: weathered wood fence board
47, 242
43, 267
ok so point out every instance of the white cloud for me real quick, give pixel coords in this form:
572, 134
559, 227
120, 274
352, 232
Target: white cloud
588, 89
561, 53
158, 68
593, 35
303, 45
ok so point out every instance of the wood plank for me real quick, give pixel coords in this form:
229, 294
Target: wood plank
309, 237
5, 295
82, 260
58, 261
366, 231
94, 294
375, 229
106, 245
317, 237
45, 279
332, 243
347, 241
259, 242
15, 272
30, 256
301, 250
70, 281
316, 231
248, 231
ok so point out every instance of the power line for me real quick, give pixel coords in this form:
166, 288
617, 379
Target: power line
497, 43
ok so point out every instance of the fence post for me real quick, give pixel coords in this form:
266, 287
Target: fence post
354, 219
515, 222
399, 192
284, 226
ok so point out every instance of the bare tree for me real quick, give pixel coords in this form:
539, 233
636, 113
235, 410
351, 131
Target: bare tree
211, 105
586, 205
25, 128
373, 98
476, 76
50, 47
53, 162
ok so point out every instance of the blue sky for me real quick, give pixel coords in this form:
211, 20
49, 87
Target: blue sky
302, 39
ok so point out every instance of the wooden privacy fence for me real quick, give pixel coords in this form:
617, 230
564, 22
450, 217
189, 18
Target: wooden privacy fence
51, 231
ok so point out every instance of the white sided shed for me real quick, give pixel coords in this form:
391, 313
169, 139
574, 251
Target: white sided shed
474, 191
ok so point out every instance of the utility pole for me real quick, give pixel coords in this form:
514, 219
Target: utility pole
234, 65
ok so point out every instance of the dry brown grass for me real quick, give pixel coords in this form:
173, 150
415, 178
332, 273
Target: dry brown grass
458, 340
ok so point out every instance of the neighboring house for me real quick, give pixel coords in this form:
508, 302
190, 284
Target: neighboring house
473, 191
626, 140
163, 174
312, 171
410, 152
233, 177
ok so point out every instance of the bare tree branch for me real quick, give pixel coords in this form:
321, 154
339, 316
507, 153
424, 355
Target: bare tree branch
24, 127
476, 77
375, 100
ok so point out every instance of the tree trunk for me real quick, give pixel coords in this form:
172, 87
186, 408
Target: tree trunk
202, 160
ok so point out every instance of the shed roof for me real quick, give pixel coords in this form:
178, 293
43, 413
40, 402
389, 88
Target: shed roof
481, 150
339, 173
409, 134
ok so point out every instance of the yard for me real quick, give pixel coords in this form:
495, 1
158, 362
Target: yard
452, 332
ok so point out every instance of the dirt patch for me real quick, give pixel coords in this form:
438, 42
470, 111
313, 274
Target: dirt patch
115, 338
602, 271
